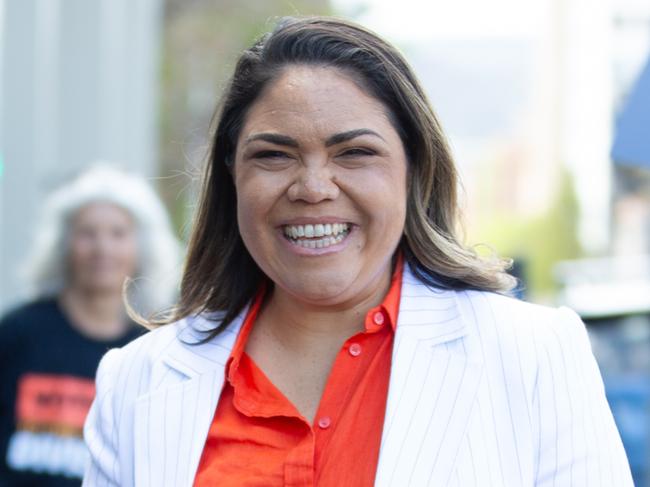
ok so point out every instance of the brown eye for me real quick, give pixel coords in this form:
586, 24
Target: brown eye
270, 154
357, 152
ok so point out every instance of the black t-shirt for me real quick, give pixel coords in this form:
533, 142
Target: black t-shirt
47, 371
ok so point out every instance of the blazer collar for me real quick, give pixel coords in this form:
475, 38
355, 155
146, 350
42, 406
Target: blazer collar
428, 314
192, 358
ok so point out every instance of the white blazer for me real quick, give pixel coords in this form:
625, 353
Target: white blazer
485, 391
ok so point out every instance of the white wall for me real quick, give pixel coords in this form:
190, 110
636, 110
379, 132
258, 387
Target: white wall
78, 83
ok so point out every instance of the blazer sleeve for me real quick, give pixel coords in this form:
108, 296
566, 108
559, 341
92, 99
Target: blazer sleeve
578, 444
100, 428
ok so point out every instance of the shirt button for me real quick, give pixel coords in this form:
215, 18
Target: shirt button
355, 349
324, 422
378, 318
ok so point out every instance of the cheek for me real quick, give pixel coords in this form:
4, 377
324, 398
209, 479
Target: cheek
387, 213
381, 196
245, 223
249, 212
256, 196
127, 251
250, 220
81, 249
79, 258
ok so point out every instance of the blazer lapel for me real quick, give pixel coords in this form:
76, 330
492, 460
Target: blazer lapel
432, 390
172, 422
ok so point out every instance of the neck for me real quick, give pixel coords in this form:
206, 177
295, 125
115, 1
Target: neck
96, 314
299, 324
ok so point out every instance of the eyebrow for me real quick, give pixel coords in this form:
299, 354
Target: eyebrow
349, 135
274, 139
332, 140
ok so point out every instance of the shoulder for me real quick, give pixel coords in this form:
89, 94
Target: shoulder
29, 312
485, 312
516, 338
26, 319
499, 328
144, 351
499, 331
509, 315
484, 304
124, 374
142, 360
540, 375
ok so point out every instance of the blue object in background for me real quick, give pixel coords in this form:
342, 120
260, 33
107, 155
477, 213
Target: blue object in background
629, 398
632, 139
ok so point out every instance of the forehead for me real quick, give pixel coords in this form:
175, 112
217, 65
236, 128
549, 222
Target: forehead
101, 212
321, 99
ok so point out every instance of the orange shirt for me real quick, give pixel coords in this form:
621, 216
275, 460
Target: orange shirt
258, 437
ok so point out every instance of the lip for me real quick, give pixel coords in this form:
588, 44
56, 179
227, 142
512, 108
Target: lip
306, 252
311, 220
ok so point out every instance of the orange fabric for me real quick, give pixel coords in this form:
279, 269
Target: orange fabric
54, 399
258, 437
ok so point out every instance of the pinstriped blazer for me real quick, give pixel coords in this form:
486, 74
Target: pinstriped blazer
484, 391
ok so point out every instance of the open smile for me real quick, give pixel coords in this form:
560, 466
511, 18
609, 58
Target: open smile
317, 236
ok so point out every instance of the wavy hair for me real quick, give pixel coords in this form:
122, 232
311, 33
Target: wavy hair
154, 286
221, 276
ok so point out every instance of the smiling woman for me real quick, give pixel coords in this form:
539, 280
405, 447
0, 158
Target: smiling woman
332, 329
333, 159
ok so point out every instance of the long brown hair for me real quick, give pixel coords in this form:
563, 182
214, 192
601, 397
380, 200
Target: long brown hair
221, 276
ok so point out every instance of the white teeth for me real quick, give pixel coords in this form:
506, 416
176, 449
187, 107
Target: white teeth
317, 230
318, 236
320, 243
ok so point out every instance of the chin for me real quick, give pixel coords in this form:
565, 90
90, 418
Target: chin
319, 291
103, 285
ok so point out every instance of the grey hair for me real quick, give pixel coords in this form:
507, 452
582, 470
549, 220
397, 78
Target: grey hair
155, 284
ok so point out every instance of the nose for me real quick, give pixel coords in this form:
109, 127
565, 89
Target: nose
313, 185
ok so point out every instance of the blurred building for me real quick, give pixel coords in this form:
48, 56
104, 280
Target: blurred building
78, 82
631, 147
531, 116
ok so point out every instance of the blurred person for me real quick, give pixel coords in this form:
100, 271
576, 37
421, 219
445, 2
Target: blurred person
332, 330
97, 231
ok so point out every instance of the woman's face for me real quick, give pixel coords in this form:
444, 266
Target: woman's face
320, 175
103, 248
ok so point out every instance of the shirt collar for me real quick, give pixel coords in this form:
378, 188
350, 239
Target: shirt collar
384, 314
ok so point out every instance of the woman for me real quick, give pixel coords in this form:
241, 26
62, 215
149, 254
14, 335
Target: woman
331, 329
96, 231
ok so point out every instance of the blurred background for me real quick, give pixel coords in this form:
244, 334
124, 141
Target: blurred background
546, 104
